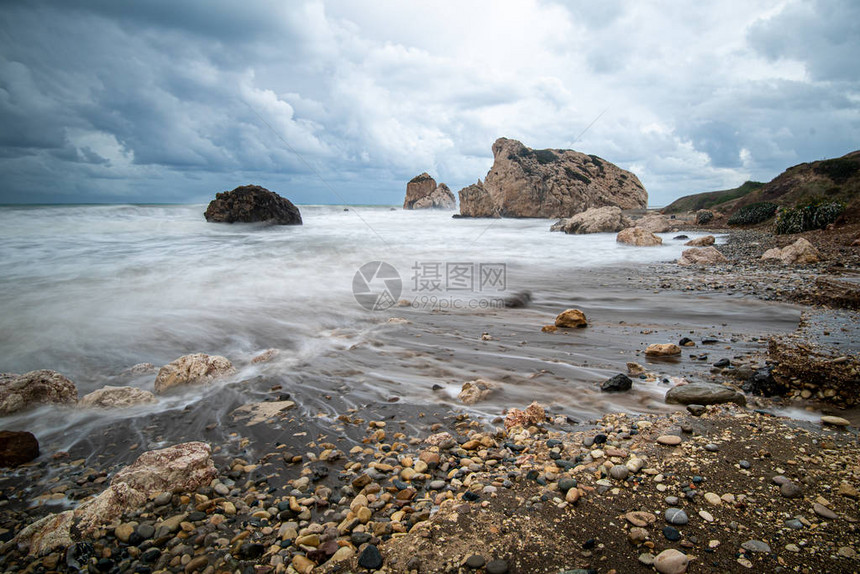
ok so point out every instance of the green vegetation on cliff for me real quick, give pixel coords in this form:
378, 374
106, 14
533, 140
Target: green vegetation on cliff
711, 199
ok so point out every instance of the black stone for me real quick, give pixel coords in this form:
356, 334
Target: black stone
370, 558
252, 203
475, 561
722, 363
618, 383
680, 237
762, 383
251, 551
196, 516
359, 538
696, 410
685, 342
599, 439
78, 554
497, 567
671, 534
150, 555
470, 496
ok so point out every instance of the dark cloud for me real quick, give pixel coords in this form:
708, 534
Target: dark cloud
174, 101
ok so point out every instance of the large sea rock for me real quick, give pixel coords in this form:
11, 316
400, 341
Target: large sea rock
423, 193
251, 204
607, 219
551, 183
20, 392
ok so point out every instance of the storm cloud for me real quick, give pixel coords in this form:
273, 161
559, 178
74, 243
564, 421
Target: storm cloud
344, 101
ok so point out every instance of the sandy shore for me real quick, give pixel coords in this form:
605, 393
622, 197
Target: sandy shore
503, 494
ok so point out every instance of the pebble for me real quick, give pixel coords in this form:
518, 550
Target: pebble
475, 561
640, 518
706, 516
221, 489
497, 567
672, 500
713, 499
669, 439
794, 524
824, 512
745, 562
744, 464
792, 547
835, 421
566, 484
676, 516
124, 531
163, 499
671, 533
637, 535
696, 410
711, 447
847, 552
756, 546
619, 472
646, 558
671, 561
790, 490
370, 558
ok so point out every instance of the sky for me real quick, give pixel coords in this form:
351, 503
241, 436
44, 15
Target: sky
345, 101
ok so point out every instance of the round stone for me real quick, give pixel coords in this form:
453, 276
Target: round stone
744, 464
669, 439
676, 516
794, 524
146, 531
711, 447
713, 499
497, 567
619, 472
671, 533
706, 516
566, 484
475, 561
671, 561
790, 490
672, 500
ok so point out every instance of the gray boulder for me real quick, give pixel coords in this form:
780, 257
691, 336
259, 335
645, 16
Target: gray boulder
704, 394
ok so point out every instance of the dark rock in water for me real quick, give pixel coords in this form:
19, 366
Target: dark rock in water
686, 342
763, 383
704, 394
680, 237
722, 363
252, 203
518, 300
370, 558
17, 448
618, 383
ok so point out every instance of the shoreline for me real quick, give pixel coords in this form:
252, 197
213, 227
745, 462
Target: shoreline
456, 351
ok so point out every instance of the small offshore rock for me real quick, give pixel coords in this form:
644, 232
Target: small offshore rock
571, 319
662, 350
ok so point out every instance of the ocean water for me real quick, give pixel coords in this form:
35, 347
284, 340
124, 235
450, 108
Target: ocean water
90, 291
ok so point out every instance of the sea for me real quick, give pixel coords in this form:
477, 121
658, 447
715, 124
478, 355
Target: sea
92, 290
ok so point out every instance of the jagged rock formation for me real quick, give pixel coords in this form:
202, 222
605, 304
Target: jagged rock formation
250, 204
524, 182
423, 193
607, 219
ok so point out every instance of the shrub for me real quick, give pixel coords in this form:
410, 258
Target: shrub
753, 213
704, 216
839, 169
814, 214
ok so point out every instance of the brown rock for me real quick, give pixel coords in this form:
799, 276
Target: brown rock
475, 201
192, 370
640, 518
549, 183
184, 467
655, 223
423, 193
571, 319
801, 252
534, 414
20, 392
252, 203
701, 256
662, 350
475, 391
701, 241
17, 448
116, 397
608, 219
638, 237
671, 561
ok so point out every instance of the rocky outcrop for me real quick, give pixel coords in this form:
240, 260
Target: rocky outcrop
475, 391
551, 183
182, 468
20, 392
703, 394
196, 369
475, 201
251, 204
638, 237
17, 448
423, 193
702, 256
801, 252
116, 397
607, 219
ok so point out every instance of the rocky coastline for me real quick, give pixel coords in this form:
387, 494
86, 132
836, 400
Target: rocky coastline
395, 487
